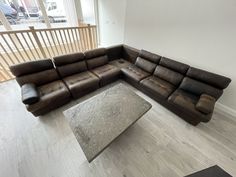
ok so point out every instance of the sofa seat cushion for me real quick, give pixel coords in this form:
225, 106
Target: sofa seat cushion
106, 73
51, 96
134, 73
187, 101
81, 83
157, 86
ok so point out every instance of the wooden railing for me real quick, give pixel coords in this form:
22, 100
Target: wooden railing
34, 44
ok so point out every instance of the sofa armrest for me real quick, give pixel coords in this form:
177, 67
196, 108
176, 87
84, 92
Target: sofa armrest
29, 93
206, 104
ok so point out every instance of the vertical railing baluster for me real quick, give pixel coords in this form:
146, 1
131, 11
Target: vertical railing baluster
12, 51
22, 46
49, 42
45, 44
90, 36
12, 61
78, 40
63, 41
58, 42
22, 34
32, 42
67, 43
33, 32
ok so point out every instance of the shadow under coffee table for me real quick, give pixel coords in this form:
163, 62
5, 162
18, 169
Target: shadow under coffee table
97, 121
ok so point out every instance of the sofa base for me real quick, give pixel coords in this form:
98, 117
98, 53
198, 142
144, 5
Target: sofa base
44, 111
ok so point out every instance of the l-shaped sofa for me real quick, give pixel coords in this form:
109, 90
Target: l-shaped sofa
189, 92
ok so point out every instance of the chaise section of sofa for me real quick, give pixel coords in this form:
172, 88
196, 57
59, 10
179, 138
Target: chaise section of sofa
41, 87
73, 70
197, 94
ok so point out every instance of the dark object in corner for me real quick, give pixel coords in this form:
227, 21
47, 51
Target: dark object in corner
214, 171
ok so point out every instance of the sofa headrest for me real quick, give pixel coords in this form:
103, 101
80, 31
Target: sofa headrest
31, 67
150, 56
114, 52
39, 78
68, 59
145, 64
130, 53
216, 80
95, 53
197, 87
174, 65
168, 75
97, 61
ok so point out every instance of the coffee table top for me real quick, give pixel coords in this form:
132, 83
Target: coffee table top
97, 121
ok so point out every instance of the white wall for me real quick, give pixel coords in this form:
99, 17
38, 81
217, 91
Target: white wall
111, 21
201, 33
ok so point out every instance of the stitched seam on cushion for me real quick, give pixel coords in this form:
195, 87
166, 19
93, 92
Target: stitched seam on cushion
78, 80
104, 70
134, 71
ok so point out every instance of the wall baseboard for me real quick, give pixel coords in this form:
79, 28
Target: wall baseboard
225, 110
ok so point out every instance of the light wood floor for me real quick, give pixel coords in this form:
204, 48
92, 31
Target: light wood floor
159, 144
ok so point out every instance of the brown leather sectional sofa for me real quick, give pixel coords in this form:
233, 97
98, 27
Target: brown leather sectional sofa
189, 92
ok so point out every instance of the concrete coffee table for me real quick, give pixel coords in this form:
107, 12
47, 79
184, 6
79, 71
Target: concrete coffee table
97, 121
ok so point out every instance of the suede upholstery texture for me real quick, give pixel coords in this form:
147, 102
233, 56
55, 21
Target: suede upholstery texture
189, 92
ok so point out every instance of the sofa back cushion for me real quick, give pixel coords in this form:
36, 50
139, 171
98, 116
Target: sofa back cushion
39, 78
37, 72
197, 87
31, 67
215, 80
145, 65
62, 60
147, 61
174, 65
96, 58
168, 75
130, 54
96, 62
150, 56
114, 52
70, 64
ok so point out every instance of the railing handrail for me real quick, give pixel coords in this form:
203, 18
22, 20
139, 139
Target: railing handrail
45, 29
